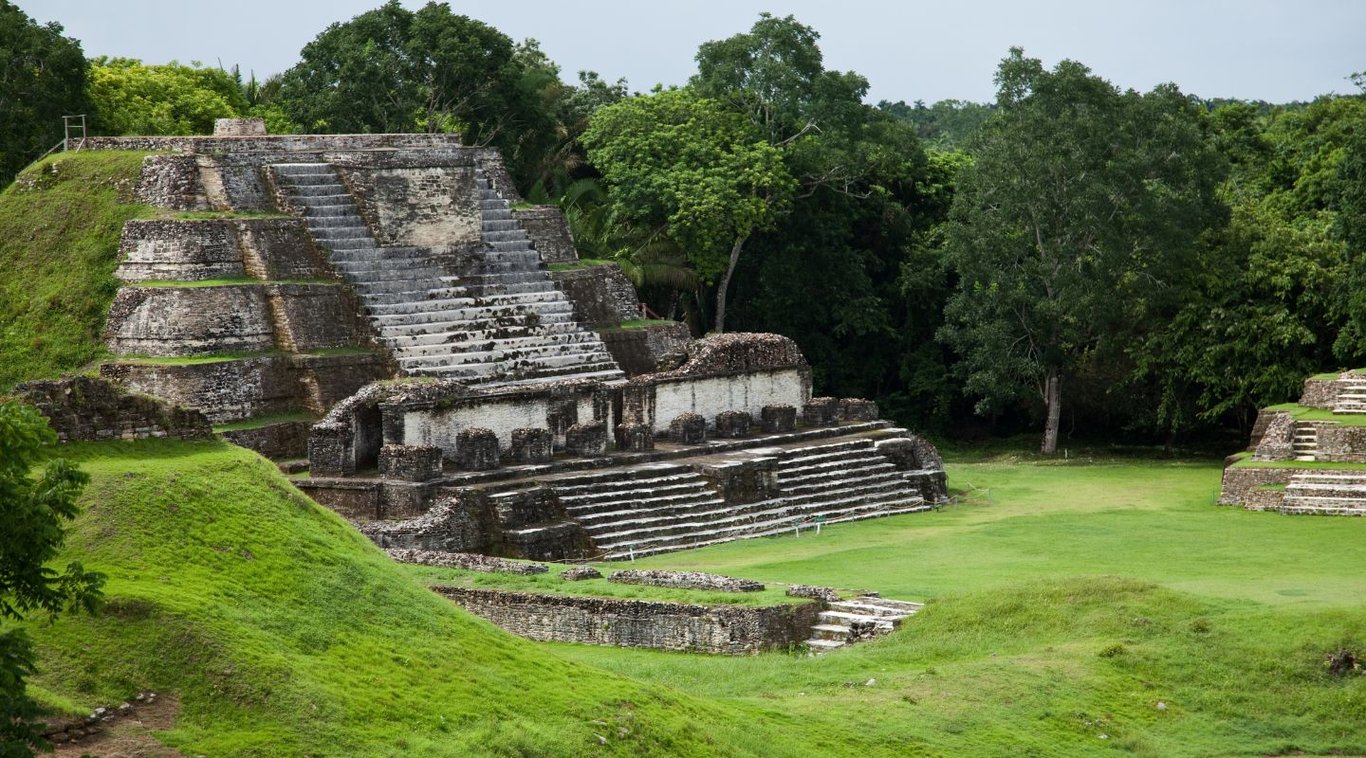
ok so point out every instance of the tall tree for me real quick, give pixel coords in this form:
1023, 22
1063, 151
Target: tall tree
395, 70
42, 78
32, 512
1080, 210
685, 165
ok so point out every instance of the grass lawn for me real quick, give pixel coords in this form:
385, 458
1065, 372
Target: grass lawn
1075, 609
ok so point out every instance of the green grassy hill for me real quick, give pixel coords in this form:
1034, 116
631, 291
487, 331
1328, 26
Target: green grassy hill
59, 234
285, 632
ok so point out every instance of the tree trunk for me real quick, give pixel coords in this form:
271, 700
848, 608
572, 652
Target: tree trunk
725, 283
1053, 402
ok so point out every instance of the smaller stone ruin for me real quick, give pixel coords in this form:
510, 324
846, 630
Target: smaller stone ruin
1299, 462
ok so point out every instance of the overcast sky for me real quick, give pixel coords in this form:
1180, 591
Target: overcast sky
1253, 49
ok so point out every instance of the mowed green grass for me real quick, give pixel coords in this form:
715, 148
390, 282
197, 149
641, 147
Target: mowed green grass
1075, 609
286, 632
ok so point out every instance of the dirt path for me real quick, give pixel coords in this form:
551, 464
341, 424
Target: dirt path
131, 735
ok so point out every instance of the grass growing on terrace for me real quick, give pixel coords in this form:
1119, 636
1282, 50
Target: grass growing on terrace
550, 583
59, 235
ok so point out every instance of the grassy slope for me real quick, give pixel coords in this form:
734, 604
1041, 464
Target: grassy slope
59, 232
285, 632
1027, 649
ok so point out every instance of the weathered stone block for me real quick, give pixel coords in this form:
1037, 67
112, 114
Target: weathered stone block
600, 294
820, 411
549, 233
776, 419
587, 440
635, 438
531, 445
856, 410
688, 429
330, 450
399, 499
410, 463
580, 573
239, 127
745, 481
476, 449
733, 424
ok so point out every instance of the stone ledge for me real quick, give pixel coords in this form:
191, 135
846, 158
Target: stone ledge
725, 630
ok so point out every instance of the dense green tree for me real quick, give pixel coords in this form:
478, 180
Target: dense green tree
685, 165
947, 124
1080, 211
32, 512
131, 97
42, 78
395, 70
1276, 292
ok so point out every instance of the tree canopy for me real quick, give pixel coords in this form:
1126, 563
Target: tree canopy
1080, 210
42, 78
395, 70
685, 164
131, 97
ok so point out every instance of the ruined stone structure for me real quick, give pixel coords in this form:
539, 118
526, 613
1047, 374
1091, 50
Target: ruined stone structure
1288, 465
385, 305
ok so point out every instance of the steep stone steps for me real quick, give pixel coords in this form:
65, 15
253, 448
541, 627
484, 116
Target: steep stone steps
409, 295
629, 513
849, 621
1339, 493
1305, 441
1351, 396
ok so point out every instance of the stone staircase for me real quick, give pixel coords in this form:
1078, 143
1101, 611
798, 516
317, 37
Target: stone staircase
848, 621
503, 321
1328, 493
663, 507
1305, 441
1351, 397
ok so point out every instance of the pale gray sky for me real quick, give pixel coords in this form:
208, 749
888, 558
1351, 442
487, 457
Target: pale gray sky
1275, 50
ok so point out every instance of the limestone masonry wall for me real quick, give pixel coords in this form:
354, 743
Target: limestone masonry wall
179, 251
600, 294
1321, 393
430, 206
729, 630
176, 321
85, 409
1240, 483
549, 232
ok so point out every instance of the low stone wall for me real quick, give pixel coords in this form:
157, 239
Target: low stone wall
601, 295
549, 233
727, 630
423, 206
85, 409
1341, 444
1321, 393
1239, 482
